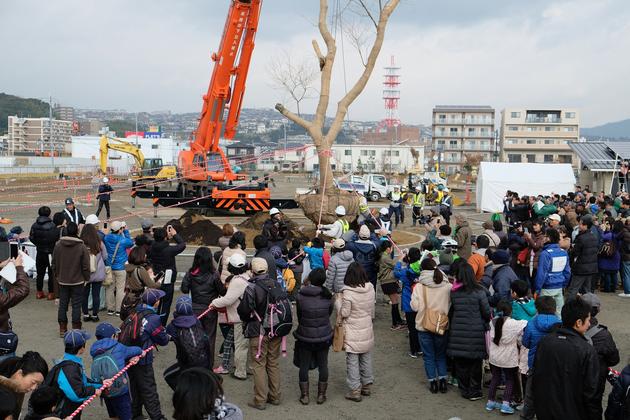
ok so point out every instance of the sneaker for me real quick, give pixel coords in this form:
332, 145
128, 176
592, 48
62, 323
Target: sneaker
87, 318
520, 407
221, 370
624, 295
413, 355
492, 405
110, 313
506, 408
475, 397
118, 314
256, 406
95, 318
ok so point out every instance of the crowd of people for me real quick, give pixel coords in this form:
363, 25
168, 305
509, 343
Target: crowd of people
514, 309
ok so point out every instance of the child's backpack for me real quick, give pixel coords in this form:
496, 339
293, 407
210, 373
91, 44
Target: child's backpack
289, 279
192, 347
131, 329
51, 380
105, 367
278, 319
326, 259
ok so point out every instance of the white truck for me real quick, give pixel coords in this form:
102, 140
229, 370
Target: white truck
376, 185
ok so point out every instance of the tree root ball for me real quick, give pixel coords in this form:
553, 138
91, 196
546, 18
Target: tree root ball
312, 204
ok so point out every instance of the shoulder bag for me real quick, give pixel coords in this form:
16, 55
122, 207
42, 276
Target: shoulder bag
109, 277
433, 321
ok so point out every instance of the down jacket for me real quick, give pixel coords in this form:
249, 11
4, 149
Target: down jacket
505, 355
203, 288
463, 237
225, 260
386, 270
536, 329
336, 271
313, 313
469, 317
584, 254
71, 262
364, 251
407, 276
607, 354
502, 278
357, 312
44, 234
232, 298
438, 296
554, 271
120, 353
116, 259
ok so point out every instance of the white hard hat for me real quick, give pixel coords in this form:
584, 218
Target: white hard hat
340, 211
384, 211
273, 211
105, 180
92, 219
445, 190
449, 243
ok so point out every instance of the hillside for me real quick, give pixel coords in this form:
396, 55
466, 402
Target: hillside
613, 130
22, 107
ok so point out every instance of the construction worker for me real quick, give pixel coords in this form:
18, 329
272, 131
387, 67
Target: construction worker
384, 221
104, 195
446, 205
364, 211
275, 229
337, 229
417, 203
439, 191
72, 214
395, 204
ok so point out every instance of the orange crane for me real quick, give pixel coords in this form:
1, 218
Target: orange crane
204, 171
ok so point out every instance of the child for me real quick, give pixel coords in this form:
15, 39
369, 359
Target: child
503, 356
68, 375
407, 274
315, 252
43, 401
296, 257
191, 341
389, 284
284, 274
523, 308
109, 357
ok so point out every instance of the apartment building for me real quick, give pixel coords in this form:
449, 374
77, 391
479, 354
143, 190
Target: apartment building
65, 113
462, 131
539, 135
32, 136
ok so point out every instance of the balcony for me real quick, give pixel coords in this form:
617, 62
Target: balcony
531, 119
464, 121
479, 135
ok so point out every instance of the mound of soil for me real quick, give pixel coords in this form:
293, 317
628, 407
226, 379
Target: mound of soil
196, 229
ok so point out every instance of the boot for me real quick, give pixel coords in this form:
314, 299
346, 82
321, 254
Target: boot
321, 392
77, 325
63, 327
40, 295
51, 296
433, 386
304, 397
366, 390
442, 385
354, 395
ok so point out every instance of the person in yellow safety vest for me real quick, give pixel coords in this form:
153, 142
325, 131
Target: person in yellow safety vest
395, 203
337, 229
446, 206
418, 201
364, 211
439, 194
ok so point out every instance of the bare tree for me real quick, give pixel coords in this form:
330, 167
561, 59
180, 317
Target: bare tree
378, 12
296, 77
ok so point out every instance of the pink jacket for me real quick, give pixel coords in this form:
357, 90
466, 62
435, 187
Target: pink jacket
505, 355
357, 312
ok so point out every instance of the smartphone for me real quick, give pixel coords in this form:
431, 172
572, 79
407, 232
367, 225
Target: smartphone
15, 248
526, 230
159, 276
5, 251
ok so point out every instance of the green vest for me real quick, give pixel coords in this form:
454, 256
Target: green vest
345, 226
418, 198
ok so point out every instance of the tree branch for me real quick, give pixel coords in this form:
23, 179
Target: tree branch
294, 117
368, 13
331, 51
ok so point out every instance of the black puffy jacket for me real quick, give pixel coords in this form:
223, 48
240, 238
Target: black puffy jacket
313, 312
44, 234
254, 300
608, 356
469, 316
565, 377
584, 254
162, 254
203, 288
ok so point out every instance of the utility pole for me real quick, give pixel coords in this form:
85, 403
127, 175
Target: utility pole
50, 133
136, 133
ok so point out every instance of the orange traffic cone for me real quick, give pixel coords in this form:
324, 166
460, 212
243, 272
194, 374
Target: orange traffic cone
88, 197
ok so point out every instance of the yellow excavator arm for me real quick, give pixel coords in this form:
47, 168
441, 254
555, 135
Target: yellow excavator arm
147, 168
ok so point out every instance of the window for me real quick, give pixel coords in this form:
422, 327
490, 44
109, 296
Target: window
154, 147
396, 153
440, 144
512, 141
550, 129
453, 132
531, 141
513, 158
453, 144
364, 152
471, 132
569, 114
347, 152
548, 159
565, 158
347, 167
515, 115
484, 132
371, 153
550, 141
568, 129
379, 180
513, 128
531, 158
532, 128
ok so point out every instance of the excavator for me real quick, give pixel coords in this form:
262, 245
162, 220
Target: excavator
147, 169
207, 181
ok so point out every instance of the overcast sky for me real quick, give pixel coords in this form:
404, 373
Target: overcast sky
145, 55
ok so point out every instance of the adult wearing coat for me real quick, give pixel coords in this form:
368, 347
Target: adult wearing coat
337, 266
13, 294
469, 317
463, 237
117, 242
235, 246
44, 235
365, 252
583, 258
609, 264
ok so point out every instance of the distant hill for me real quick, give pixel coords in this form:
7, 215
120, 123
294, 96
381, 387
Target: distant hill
613, 130
22, 107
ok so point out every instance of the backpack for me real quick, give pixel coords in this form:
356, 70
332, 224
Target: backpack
51, 380
131, 329
326, 259
523, 256
105, 367
192, 346
278, 319
607, 250
289, 279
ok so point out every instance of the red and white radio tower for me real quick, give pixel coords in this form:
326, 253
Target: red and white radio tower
391, 95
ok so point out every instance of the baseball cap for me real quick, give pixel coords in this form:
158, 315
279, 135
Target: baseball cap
105, 330
146, 224
183, 306
116, 225
105, 180
364, 232
237, 260
69, 200
593, 300
555, 217
92, 219
150, 296
339, 243
384, 211
76, 338
259, 266
273, 211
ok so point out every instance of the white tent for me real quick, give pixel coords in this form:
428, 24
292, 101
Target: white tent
494, 179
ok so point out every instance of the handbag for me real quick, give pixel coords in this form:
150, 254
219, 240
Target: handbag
433, 321
109, 277
338, 333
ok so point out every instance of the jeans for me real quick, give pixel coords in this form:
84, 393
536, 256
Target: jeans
95, 289
119, 406
42, 263
468, 373
626, 277
395, 211
266, 369
144, 392
609, 281
580, 283
434, 348
359, 370
414, 343
510, 379
557, 296
67, 294
165, 303
102, 203
321, 356
115, 293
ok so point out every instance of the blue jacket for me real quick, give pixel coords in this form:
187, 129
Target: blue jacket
502, 278
365, 253
72, 380
538, 327
614, 262
554, 271
407, 277
315, 257
153, 332
523, 309
120, 353
111, 240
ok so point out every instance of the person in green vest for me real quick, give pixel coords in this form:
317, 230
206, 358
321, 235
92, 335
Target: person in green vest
417, 203
339, 227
